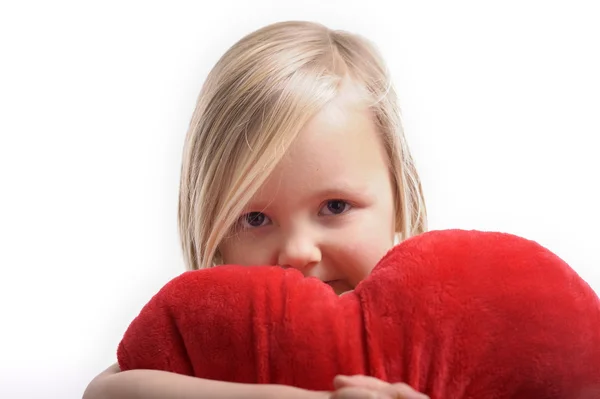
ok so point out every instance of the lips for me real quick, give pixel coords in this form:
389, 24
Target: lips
339, 286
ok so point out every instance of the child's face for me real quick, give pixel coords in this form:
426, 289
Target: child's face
328, 207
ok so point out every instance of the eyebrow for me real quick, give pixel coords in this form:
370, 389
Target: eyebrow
337, 191
340, 192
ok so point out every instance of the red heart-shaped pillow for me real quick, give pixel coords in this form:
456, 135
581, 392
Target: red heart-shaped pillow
455, 314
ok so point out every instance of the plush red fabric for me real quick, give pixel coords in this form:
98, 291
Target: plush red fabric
455, 314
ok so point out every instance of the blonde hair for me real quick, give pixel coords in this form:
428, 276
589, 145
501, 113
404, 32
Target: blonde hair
254, 102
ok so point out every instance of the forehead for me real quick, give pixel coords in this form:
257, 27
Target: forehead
339, 146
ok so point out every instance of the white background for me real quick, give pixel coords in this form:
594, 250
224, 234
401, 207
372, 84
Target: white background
501, 105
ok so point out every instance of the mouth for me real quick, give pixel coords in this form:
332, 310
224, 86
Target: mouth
339, 286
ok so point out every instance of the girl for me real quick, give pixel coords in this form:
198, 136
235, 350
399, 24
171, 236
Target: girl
295, 157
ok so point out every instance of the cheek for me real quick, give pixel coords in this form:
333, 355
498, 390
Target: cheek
244, 253
370, 255
361, 251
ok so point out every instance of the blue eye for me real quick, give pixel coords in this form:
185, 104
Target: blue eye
253, 219
335, 207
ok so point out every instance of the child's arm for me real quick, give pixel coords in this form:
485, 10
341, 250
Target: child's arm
153, 384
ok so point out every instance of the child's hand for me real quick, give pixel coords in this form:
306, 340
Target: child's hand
363, 387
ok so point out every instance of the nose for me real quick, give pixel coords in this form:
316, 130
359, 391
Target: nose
300, 252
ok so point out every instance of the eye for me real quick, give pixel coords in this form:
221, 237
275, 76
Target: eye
254, 219
335, 207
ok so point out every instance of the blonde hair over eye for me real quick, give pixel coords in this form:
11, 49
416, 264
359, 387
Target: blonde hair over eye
255, 100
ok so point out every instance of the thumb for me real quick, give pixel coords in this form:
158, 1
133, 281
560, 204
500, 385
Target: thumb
403, 391
359, 381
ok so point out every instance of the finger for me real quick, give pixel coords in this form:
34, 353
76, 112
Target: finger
358, 393
403, 391
361, 381
393, 391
